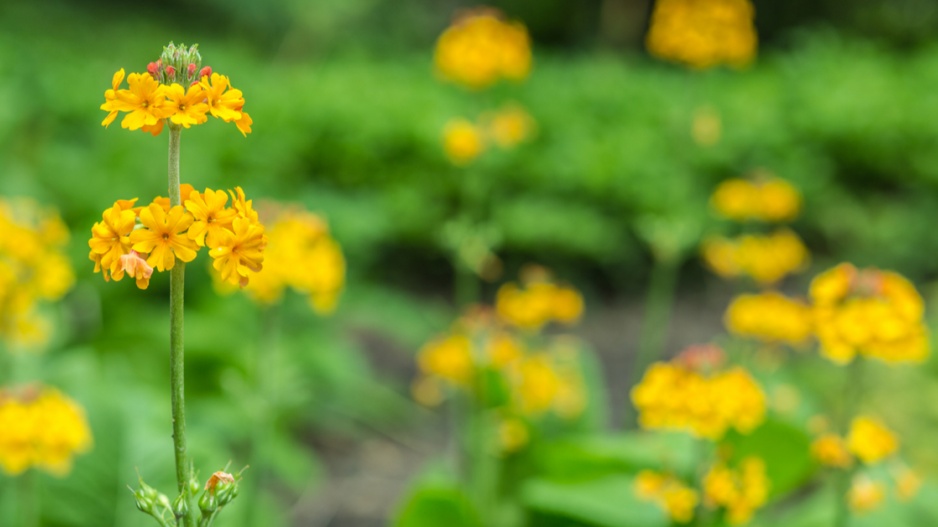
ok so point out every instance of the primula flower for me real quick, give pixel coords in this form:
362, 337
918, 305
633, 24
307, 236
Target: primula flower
239, 251
740, 491
111, 104
703, 33
448, 358
669, 493
462, 141
110, 238
145, 100
480, 48
163, 237
186, 107
136, 267
865, 494
223, 101
211, 216
870, 440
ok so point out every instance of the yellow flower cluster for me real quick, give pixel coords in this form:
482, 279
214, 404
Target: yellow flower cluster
768, 199
537, 302
33, 268
770, 317
175, 88
741, 491
673, 496
703, 33
868, 439
871, 313
299, 254
865, 494
481, 47
672, 396
41, 428
464, 140
766, 259
135, 240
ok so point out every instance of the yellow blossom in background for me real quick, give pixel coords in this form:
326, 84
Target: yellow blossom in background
765, 198
463, 141
865, 494
41, 428
764, 258
300, 254
871, 313
740, 491
908, 483
703, 33
870, 440
770, 317
538, 303
33, 269
503, 349
175, 88
513, 434
481, 47
671, 396
508, 126
669, 493
449, 358
831, 450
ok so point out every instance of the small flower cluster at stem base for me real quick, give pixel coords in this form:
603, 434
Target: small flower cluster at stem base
175, 89
136, 240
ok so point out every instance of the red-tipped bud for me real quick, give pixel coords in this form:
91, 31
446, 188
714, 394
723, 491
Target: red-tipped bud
153, 68
191, 68
205, 72
170, 71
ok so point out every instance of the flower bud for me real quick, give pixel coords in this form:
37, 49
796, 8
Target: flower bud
170, 71
153, 68
205, 72
180, 506
225, 492
207, 503
143, 501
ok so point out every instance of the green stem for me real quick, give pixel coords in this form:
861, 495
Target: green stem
177, 280
853, 390
655, 323
29, 499
467, 284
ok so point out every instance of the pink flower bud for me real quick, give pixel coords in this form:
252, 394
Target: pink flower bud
206, 71
153, 68
191, 68
170, 71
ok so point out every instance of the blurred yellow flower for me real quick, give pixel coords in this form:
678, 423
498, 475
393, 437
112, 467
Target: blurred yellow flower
33, 269
673, 496
300, 254
671, 396
831, 450
740, 491
41, 428
703, 33
449, 358
872, 313
538, 303
766, 198
769, 317
865, 494
870, 440
908, 483
766, 259
480, 48
509, 126
513, 434
463, 141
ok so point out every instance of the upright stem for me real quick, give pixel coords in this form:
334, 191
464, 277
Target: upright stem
177, 280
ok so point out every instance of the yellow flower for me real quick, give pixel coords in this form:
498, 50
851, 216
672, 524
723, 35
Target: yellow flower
41, 428
224, 102
740, 491
503, 349
163, 237
673, 397
766, 259
865, 494
210, 215
462, 141
509, 126
111, 103
186, 107
870, 440
767, 198
873, 313
513, 434
449, 358
769, 317
908, 483
136, 267
480, 48
145, 101
110, 238
240, 251
669, 493
703, 33
537, 304
830, 450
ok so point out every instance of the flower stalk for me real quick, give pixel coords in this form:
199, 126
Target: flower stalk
177, 279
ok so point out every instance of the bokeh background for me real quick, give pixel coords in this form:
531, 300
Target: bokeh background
348, 118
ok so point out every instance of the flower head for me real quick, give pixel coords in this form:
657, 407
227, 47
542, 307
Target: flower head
703, 33
480, 48
163, 236
240, 251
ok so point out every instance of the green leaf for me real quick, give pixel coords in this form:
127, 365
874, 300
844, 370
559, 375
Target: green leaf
608, 501
434, 504
785, 449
